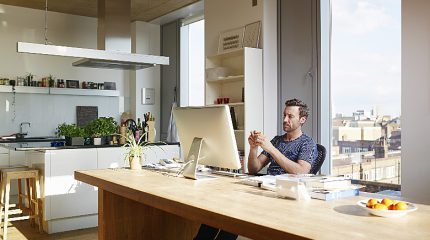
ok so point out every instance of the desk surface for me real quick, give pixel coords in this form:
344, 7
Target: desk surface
256, 213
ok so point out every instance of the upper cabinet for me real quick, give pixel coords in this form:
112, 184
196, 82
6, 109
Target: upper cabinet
236, 79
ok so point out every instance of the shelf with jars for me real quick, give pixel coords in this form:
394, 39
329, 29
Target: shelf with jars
58, 91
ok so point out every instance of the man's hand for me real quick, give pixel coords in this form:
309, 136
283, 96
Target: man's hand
263, 142
252, 139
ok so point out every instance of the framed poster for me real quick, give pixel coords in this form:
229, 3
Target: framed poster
251, 36
72, 83
230, 40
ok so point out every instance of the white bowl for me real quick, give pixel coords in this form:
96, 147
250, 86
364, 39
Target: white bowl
387, 213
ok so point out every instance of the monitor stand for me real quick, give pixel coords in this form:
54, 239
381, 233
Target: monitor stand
193, 159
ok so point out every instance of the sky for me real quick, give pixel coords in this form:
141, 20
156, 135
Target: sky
366, 56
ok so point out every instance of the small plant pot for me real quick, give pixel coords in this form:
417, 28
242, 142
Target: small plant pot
68, 141
135, 163
87, 141
97, 141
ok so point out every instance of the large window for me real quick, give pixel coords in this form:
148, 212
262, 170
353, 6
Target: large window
365, 89
192, 63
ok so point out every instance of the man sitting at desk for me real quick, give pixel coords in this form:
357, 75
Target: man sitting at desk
293, 152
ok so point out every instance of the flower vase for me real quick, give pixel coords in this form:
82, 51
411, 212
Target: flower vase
135, 163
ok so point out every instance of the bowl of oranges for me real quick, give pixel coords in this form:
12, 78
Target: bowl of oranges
387, 207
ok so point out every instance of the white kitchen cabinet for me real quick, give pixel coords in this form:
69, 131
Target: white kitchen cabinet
110, 157
67, 197
4, 159
114, 157
17, 158
153, 154
68, 203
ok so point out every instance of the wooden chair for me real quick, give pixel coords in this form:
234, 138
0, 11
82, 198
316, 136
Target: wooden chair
33, 194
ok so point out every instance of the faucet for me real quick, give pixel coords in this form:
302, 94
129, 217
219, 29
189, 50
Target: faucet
21, 127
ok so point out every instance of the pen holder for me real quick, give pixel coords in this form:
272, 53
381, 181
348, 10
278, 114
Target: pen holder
151, 131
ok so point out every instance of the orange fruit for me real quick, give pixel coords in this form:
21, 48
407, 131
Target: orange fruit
392, 207
371, 202
401, 206
380, 206
387, 202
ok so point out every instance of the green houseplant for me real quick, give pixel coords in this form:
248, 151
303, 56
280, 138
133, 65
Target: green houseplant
101, 127
135, 150
51, 81
74, 134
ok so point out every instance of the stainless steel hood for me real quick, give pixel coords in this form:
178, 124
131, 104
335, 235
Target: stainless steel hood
113, 42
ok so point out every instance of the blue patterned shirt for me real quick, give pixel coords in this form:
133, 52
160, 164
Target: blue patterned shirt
301, 148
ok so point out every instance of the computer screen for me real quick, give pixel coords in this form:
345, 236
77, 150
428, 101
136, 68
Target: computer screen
211, 130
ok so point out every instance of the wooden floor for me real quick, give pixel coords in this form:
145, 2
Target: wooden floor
21, 230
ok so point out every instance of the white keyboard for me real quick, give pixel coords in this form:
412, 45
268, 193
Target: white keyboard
229, 174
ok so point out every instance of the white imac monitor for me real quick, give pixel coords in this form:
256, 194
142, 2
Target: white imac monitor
207, 137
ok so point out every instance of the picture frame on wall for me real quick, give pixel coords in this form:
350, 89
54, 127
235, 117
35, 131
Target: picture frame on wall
72, 83
251, 36
230, 40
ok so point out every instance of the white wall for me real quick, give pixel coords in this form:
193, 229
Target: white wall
45, 112
416, 100
145, 40
270, 67
222, 15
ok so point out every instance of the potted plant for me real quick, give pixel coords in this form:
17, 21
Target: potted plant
110, 128
51, 81
101, 127
135, 150
95, 130
74, 134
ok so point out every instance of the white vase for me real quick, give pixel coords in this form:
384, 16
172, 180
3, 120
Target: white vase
97, 141
135, 163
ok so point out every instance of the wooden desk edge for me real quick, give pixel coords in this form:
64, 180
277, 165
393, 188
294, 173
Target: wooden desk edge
238, 226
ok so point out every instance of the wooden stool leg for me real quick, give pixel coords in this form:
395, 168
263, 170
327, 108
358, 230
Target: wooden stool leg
38, 205
20, 195
6, 207
29, 197
2, 200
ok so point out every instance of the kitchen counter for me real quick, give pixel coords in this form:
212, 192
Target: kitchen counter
43, 146
32, 139
60, 192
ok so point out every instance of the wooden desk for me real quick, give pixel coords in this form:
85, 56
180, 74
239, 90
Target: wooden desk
149, 205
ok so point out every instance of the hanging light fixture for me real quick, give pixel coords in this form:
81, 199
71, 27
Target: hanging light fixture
113, 40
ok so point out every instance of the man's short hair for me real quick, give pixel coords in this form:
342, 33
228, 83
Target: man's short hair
303, 108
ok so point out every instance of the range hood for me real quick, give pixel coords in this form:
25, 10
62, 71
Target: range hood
113, 42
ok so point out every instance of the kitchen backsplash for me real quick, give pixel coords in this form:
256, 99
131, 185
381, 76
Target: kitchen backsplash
45, 112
